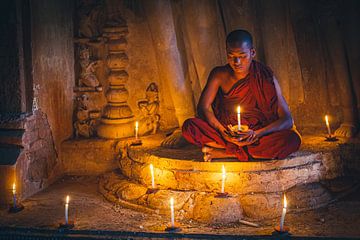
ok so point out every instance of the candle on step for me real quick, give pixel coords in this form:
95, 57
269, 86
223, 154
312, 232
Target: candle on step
136, 129
67, 210
172, 212
328, 125
238, 118
152, 176
223, 179
282, 220
14, 194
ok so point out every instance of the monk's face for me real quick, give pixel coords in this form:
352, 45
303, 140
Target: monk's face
239, 56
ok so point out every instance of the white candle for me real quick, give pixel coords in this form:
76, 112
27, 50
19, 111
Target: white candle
328, 125
67, 210
14, 194
238, 118
172, 212
223, 179
136, 129
152, 176
283, 215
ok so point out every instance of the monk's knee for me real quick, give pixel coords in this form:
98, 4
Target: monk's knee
293, 139
188, 123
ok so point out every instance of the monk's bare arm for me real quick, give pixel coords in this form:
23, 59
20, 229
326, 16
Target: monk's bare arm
207, 97
285, 120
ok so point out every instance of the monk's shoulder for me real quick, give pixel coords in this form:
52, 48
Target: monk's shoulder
265, 71
220, 73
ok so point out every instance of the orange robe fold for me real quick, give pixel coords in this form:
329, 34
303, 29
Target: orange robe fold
257, 97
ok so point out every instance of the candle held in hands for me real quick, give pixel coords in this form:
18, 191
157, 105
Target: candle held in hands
239, 118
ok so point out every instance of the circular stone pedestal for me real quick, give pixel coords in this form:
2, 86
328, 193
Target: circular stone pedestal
256, 188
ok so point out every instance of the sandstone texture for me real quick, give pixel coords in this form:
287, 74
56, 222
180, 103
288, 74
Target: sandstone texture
309, 178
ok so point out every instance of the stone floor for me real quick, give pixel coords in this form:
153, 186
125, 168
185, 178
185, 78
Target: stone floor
90, 211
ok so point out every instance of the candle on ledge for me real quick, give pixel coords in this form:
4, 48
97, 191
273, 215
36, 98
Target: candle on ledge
152, 176
172, 212
136, 129
282, 220
223, 179
14, 194
328, 125
67, 210
238, 118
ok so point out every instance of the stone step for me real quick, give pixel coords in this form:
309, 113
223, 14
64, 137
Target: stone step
255, 189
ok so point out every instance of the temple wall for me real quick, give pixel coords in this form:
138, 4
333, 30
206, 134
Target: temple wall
10, 91
53, 63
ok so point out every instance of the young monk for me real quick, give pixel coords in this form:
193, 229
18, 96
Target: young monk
253, 86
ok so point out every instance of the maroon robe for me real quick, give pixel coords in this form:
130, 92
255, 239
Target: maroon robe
257, 97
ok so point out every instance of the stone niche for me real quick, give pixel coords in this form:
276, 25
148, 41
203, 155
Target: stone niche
111, 92
28, 155
117, 84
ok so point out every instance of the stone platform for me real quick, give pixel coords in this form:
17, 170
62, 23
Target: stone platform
309, 178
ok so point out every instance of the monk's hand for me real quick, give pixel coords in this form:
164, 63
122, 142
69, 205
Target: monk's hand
235, 140
251, 137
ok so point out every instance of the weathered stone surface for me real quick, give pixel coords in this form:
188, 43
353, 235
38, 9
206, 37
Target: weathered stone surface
88, 156
242, 177
132, 192
308, 196
210, 209
261, 206
161, 200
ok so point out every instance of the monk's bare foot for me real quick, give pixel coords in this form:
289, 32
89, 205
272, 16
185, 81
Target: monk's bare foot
207, 153
346, 130
175, 140
212, 153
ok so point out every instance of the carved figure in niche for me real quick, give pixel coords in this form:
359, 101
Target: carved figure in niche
84, 124
87, 74
91, 18
149, 108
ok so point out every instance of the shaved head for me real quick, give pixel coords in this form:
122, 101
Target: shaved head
238, 37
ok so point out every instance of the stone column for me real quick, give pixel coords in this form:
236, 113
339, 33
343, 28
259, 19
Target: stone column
117, 120
159, 15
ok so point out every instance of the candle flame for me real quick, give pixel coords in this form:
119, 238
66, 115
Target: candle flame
14, 188
136, 124
327, 120
151, 168
223, 171
67, 199
238, 109
285, 202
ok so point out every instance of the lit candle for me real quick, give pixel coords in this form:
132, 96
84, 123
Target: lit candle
283, 215
152, 176
328, 125
172, 212
136, 129
238, 118
223, 179
67, 210
14, 194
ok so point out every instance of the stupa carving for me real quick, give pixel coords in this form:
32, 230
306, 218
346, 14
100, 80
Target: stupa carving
117, 119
